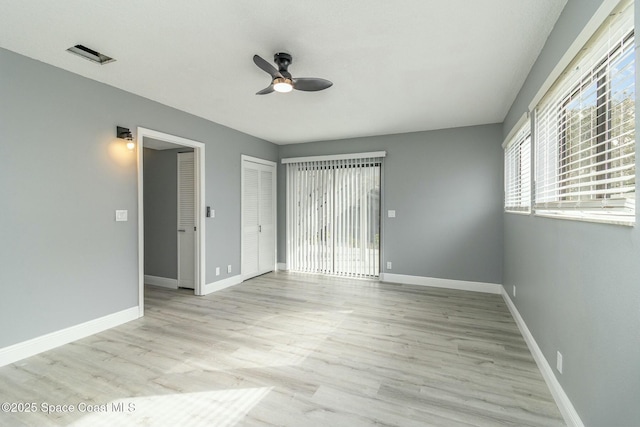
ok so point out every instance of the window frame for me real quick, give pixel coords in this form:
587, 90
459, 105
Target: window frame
601, 203
516, 150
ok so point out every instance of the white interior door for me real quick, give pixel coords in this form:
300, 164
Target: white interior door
186, 220
258, 217
266, 220
250, 219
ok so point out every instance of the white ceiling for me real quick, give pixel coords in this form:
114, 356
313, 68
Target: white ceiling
397, 66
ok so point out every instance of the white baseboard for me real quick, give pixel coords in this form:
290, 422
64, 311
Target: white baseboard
489, 288
221, 284
31, 347
165, 282
282, 266
567, 410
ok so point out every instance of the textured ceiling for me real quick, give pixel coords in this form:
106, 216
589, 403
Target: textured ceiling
401, 66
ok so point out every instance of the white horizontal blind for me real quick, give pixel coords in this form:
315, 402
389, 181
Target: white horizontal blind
585, 130
333, 216
517, 171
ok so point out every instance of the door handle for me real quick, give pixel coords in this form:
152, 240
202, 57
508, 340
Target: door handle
259, 229
182, 231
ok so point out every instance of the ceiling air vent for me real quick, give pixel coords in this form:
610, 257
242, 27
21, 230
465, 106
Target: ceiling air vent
90, 54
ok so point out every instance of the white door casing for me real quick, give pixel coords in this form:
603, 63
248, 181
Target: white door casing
200, 249
186, 226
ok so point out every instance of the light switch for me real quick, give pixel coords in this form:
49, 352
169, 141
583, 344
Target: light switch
121, 215
391, 214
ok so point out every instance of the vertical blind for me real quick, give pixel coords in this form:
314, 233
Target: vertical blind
333, 216
517, 171
585, 129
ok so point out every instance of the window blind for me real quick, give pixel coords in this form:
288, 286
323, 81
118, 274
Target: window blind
585, 130
333, 216
517, 171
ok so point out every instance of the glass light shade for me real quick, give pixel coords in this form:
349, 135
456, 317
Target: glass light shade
282, 85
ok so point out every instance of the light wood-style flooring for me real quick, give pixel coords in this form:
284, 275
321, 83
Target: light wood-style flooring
290, 349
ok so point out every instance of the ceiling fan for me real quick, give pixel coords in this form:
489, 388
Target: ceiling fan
282, 81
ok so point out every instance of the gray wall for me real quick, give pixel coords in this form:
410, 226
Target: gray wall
161, 212
578, 284
446, 188
64, 259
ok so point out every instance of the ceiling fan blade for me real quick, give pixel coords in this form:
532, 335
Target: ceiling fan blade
309, 84
265, 66
266, 90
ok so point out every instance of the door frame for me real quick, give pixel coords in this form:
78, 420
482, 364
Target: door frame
199, 164
258, 160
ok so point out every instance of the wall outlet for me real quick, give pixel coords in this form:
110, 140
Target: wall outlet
229, 268
391, 213
514, 291
559, 362
389, 265
217, 271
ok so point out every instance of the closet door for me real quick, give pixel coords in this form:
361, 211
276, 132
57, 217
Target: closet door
250, 191
266, 220
258, 217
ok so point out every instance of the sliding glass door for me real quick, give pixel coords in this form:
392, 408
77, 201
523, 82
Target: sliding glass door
333, 216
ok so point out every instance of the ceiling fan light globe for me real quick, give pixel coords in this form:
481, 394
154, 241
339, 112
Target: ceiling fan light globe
282, 85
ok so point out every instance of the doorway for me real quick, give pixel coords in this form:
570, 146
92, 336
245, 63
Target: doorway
151, 139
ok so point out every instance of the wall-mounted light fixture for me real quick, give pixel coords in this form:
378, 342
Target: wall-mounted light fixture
125, 133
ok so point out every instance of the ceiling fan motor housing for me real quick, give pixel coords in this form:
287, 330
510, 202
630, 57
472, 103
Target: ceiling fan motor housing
283, 60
